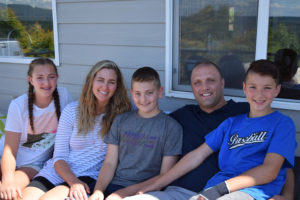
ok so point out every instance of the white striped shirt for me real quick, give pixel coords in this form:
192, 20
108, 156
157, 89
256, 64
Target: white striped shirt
84, 153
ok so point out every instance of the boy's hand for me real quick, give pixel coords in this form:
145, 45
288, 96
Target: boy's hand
149, 188
97, 195
212, 193
79, 190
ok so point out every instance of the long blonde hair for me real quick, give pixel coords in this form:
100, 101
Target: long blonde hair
118, 103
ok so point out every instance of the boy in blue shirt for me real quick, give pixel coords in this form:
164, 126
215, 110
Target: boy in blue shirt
142, 144
255, 148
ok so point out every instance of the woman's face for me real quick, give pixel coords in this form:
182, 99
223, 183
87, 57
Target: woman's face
104, 85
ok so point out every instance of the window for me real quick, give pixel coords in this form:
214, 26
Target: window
284, 44
232, 34
27, 30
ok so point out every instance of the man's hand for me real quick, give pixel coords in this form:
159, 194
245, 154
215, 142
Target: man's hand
149, 188
114, 196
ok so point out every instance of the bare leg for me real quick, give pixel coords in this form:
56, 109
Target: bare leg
32, 193
58, 193
23, 176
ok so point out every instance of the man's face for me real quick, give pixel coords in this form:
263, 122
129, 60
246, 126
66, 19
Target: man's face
207, 86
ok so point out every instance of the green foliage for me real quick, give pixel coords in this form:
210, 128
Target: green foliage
2, 131
207, 34
34, 40
41, 39
281, 37
13, 26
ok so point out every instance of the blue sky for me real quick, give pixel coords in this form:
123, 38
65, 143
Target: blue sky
285, 8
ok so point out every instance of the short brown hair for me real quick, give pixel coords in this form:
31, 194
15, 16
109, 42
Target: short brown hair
144, 74
209, 63
264, 68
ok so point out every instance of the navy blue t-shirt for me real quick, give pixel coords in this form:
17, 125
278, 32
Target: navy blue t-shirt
196, 124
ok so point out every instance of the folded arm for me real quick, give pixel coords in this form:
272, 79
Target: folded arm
262, 174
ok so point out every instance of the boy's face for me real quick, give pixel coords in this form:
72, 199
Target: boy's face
145, 96
260, 92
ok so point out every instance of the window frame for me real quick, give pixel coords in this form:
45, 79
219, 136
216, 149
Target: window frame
260, 53
27, 60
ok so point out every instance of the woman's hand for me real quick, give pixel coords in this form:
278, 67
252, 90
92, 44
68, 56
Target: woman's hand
79, 191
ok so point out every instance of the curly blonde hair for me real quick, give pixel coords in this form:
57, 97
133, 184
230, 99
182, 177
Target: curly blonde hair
118, 103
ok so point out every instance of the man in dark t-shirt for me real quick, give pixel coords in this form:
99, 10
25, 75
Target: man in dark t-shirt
198, 120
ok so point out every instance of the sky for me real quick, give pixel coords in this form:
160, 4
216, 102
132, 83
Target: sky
34, 3
285, 8
245, 7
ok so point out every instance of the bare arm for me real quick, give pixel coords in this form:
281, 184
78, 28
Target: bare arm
259, 175
78, 189
287, 192
262, 174
167, 163
107, 172
189, 162
9, 189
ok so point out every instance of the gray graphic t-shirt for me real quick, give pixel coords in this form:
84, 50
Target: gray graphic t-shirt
142, 144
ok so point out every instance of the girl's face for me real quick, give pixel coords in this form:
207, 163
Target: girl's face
44, 80
104, 85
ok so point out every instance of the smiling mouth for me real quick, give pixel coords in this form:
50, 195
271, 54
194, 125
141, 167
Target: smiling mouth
206, 94
259, 101
101, 92
46, 88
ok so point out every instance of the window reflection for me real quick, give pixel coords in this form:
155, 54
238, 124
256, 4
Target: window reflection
26, 28
220, 31
284, 44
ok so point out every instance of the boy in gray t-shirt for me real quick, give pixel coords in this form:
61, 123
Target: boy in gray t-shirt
142, 144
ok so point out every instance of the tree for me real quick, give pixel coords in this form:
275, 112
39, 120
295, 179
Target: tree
12, 27
41, 40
